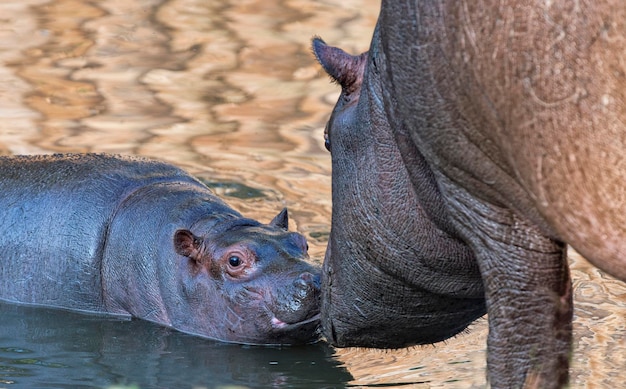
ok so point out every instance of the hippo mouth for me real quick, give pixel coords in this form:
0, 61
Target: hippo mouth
281, 325
297, 326
307, 330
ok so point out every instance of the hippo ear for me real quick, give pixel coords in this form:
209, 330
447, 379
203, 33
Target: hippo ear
187, 244
344, 68
281, 220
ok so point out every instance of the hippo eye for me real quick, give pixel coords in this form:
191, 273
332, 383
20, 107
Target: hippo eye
234, 261
239, 264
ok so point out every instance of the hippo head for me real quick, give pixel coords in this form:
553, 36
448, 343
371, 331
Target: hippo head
250, 283
395, 273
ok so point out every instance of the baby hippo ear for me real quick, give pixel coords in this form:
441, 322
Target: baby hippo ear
187, 244
281, 220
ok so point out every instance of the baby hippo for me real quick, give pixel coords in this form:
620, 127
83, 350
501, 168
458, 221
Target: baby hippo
139, 238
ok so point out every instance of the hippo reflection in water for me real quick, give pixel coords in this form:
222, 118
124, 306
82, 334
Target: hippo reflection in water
140, 238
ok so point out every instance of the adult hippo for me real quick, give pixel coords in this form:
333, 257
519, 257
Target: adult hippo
469, 145
144, 239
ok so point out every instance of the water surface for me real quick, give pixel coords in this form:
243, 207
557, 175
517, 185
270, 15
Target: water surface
43, 348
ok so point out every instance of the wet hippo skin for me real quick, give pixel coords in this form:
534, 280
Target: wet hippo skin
141, 238
470, 145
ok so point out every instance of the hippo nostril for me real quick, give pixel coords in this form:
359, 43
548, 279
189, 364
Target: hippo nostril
300, 283
311, 279
307, 280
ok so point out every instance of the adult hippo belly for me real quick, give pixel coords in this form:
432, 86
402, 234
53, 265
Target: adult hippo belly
141, 238
471, 144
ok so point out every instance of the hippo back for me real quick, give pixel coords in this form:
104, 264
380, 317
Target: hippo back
56, 211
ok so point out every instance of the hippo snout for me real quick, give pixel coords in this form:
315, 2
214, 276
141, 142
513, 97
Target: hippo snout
298, 303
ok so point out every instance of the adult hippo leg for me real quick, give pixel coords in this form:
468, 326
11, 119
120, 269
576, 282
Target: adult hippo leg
528, 293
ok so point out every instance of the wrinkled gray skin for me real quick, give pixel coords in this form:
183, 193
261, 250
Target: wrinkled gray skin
469, 145
142, 238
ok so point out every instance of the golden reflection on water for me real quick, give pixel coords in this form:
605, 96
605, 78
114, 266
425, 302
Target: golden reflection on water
230, 91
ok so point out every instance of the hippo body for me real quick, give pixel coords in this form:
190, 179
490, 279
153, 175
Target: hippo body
470, 145
140, 238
